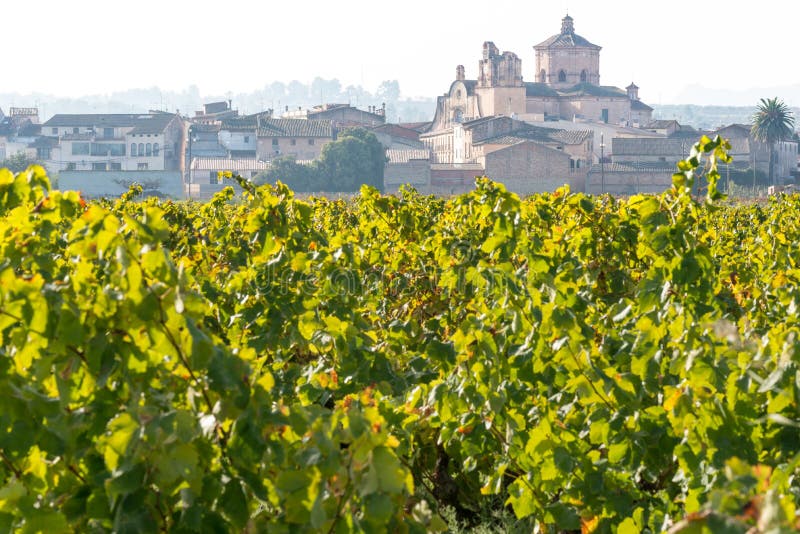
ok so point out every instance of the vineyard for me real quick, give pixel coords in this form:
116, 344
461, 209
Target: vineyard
560, 363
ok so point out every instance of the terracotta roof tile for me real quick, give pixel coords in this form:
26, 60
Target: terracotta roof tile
404, 156
228, 164
295, 128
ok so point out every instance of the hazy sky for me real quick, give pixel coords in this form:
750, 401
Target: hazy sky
96, 47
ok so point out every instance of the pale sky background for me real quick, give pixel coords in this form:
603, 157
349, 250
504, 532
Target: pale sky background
96, 47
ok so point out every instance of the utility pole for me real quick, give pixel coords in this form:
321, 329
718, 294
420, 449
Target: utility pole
728, 178
189, 166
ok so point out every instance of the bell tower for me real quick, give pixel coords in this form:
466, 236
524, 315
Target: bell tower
567, 59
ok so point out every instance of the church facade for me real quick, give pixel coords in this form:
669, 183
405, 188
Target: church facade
567, 86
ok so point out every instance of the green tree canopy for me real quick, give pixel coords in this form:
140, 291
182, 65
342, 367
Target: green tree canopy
772, 122
355, 158
301, 178
18, 162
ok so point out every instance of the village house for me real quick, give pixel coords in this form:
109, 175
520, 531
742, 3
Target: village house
748, 152
115, 142
302, 139
409, 166
395, 136
341, 115
19, 133
207, 170
214, 113
629, 178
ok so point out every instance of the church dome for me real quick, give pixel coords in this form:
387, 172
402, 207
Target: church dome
567, 38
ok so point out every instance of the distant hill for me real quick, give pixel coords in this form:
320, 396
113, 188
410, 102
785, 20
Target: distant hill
750, 96
709, 117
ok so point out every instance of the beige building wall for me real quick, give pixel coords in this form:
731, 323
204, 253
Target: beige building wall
627, 182
461, 105
543, 106
573, 61
416, 173
591, 108
501, 100
301, 148
440, 144
529, 167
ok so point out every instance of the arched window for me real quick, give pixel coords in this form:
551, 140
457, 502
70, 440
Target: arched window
133, 149
458, 93
542, 76
583, 75
562, 76
155, 149
458, 116
141, 149
149, 150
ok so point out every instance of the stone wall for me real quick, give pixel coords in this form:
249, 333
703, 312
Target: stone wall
416, 173
529, 167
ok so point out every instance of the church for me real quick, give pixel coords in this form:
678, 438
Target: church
566, 87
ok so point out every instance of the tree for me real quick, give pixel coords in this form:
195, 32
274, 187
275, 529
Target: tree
355, 158
389, 91
18, 162
325, 91
389, 94
772, 122
301, 178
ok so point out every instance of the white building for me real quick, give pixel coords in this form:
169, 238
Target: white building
115, 142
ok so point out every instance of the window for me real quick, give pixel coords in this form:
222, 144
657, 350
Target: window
274, 143
76, 130
149, 150
106, 149
562, 76
98, 166
155, 149
583, 75
70, 166
116, 166
310, 141
141, 150
542, 76
108, 133
133, 149
43, 152
458, 93
293, 142
141, 166
81, 149
213, 177
55, 131
246, 138
99, 149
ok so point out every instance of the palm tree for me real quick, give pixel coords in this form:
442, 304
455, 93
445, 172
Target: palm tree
772, 122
